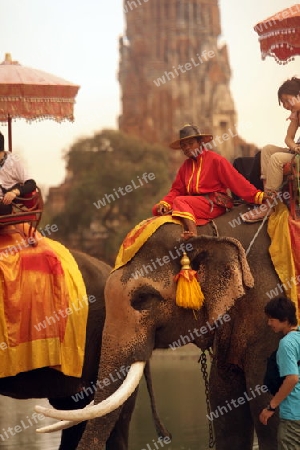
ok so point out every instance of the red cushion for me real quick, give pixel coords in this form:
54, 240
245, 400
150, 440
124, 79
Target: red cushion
287, 169
31, 202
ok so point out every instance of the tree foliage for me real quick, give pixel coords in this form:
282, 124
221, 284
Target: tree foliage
114, 180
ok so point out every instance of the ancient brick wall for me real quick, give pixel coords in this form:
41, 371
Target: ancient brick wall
172, 71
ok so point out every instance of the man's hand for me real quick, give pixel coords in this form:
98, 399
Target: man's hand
269, 195
9, 197
163, 209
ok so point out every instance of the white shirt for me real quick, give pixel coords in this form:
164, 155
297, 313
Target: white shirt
13, 171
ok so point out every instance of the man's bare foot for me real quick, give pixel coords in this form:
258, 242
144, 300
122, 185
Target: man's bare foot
188, 235
257, 214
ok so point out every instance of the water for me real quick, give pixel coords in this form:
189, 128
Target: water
18, 425
179, 393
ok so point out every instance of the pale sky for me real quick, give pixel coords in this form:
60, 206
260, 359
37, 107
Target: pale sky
78, 40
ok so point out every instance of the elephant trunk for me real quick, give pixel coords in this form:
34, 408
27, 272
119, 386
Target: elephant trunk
161, 430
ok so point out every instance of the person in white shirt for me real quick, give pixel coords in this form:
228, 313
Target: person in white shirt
273, 158
14, 180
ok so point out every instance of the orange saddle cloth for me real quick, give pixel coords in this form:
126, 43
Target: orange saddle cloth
137, 237
43, 307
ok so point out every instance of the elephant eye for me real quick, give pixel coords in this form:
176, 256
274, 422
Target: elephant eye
144, 299
142, 303
200, 259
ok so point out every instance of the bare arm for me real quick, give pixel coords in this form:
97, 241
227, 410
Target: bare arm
285, 389
18, 190
290, 135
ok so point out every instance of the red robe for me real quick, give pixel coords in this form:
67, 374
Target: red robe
209, 173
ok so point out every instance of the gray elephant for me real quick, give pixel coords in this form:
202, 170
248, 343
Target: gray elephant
142, 315
58, 388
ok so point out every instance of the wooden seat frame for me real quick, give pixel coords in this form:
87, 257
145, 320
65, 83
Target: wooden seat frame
25, 210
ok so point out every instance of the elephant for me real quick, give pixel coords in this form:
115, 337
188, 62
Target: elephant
236, 277
58, 388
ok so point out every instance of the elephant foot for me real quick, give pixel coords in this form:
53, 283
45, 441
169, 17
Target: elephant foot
188, 235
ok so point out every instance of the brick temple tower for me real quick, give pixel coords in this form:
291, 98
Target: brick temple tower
173, 71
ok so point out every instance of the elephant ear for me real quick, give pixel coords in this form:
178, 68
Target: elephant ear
224, 272
247, 275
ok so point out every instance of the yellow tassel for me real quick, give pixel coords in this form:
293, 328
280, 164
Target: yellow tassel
188, 292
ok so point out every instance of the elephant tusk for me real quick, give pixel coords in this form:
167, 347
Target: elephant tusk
117, 399
61, 425
58, 426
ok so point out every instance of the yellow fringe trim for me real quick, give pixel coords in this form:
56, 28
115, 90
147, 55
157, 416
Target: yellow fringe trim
188, 291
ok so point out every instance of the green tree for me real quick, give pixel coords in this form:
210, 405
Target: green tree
115, 181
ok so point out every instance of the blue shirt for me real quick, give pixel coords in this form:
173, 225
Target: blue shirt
288, 355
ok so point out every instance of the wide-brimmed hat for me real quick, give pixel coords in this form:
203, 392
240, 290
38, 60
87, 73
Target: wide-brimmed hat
190, 131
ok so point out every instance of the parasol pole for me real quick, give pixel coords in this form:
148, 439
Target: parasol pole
9, 133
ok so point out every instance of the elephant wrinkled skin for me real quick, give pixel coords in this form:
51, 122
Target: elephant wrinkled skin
141, 315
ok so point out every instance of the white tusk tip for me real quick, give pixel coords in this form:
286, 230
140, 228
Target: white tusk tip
40, 409
42, 430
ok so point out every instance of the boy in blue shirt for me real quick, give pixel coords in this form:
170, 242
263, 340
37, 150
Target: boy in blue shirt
281, 313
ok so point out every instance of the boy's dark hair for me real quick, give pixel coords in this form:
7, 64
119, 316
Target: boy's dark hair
282, 308
289, 87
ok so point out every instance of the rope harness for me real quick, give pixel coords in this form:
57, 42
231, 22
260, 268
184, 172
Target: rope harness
272, 205
215, 228
257, 232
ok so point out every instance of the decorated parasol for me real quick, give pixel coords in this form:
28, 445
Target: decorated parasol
33, 95
279, 35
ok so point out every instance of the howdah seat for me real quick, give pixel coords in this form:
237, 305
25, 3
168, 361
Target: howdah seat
250, 168
27, 209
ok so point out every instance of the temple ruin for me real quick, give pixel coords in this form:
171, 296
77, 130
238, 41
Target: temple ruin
173, 71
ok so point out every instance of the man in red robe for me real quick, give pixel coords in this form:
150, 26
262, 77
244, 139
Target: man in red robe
199, 192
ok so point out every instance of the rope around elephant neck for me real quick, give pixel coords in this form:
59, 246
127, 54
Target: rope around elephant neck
256, 234
261, 226
215, 228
